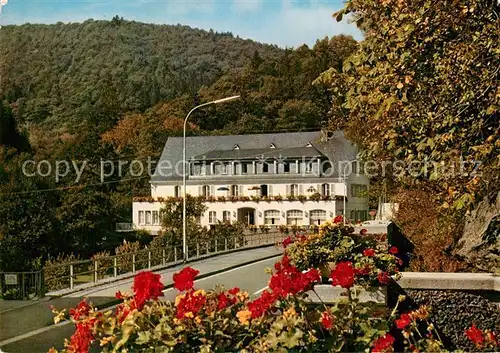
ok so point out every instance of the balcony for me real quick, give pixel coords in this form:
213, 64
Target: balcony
124, 227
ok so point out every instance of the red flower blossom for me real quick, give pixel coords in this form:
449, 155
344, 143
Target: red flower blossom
343, 275
234, 291
224, 301
261, 305
369, 252
290, 280
393, 250
301, 238
287, 241
190, 304
363, 271
383, 277
363, 231
338, 219
475, 335
184, 280
403, 321
80, 311
81, 339
119, 295
383, 344
326, 320
147, 286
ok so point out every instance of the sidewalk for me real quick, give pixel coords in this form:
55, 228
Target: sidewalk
24, 319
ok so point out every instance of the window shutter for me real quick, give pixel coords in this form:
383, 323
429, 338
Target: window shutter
212, 190
200, 190
270, 190
288, 190
240, 189
319, 189
301, 189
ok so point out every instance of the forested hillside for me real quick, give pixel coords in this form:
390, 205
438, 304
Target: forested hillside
64, 72
115, 91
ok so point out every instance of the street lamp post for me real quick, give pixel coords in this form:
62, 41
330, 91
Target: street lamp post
184, 172
345, 187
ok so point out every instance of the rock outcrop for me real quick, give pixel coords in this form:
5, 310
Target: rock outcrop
480, 242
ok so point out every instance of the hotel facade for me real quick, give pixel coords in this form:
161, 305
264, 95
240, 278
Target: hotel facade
277, 179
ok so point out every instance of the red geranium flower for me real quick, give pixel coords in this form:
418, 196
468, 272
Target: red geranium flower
81, 339
326, 320
343, 275
369, 252
383, 278
234, 291
403, 321
190, 304
383, 344
147, 285
184, 280
492, 338
338, 219
287, 241
363, 231
475, 335
290, 280
393, 250
259, 306
81, 310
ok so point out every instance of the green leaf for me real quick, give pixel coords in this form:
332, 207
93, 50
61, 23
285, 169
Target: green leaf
143, 337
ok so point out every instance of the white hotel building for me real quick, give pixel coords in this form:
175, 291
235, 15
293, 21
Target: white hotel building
260, 179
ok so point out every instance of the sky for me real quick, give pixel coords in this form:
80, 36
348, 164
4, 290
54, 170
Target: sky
286, 23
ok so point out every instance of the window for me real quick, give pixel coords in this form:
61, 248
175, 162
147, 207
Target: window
325, 189
317, 217
226, 216
148, 218
264, 190
309, 167
265, 168
359, 215
294, 190
205, 191
358, 190
156, 218
286, 167
223, 168
141, 218
244, 168
177, 191
234, 190
298, 167
294, 217
212, 217
271, 216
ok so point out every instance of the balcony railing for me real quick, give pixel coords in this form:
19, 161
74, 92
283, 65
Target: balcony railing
124, 227
278, 198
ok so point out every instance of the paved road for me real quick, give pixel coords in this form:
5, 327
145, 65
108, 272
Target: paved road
250, 277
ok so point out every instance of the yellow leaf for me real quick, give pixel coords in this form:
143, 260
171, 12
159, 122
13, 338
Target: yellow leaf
400, 85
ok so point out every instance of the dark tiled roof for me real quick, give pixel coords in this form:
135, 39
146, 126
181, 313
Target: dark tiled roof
292, 144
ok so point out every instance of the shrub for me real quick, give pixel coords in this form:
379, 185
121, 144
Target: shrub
125, 255
55, 276
337, 243
302, 198
283, 229
104, 264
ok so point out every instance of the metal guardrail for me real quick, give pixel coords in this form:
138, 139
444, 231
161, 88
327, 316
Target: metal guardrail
80, 273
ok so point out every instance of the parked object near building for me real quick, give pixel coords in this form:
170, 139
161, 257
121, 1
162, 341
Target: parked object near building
259, 179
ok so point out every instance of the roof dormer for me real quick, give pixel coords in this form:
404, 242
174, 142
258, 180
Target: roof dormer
272, 145
309, 144
236, 147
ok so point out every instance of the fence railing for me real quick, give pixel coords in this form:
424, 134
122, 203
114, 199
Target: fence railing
73, 274
21, 285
